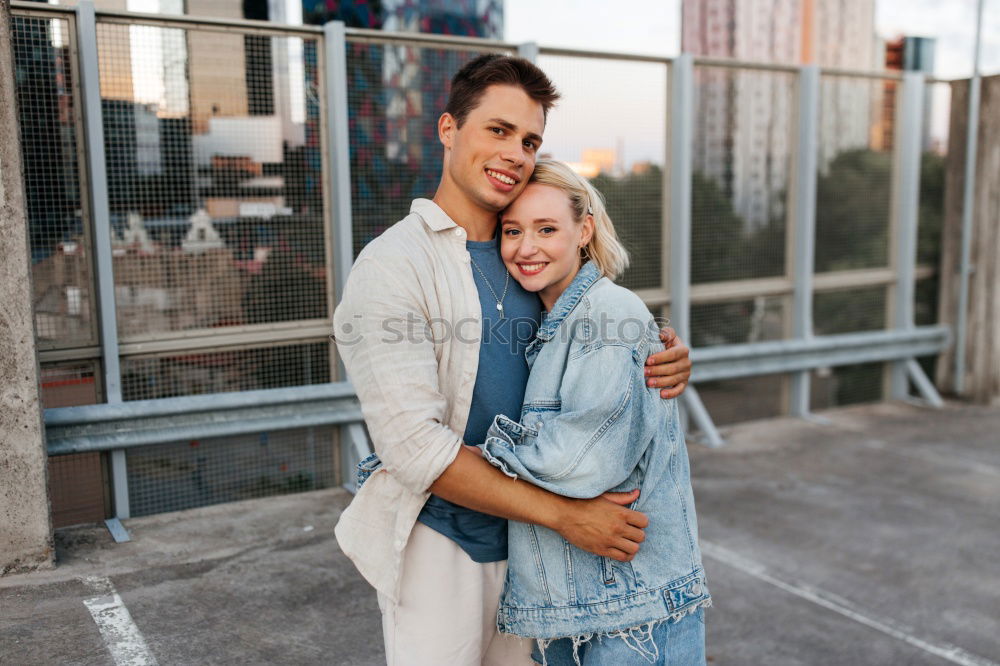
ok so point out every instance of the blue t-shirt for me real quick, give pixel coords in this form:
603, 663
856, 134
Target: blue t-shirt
499, 389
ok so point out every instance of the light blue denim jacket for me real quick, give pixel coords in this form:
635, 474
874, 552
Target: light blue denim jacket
588, 425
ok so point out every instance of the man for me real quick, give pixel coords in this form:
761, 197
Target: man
432, 332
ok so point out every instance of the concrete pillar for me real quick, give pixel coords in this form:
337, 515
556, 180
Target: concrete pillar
982, 335
25, 523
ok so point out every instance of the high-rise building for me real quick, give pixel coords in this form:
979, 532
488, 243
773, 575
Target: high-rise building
744, 119
912, 54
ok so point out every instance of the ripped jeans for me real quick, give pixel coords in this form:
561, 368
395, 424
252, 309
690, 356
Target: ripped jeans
679, 643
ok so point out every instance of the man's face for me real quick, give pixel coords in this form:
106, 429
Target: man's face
490, 158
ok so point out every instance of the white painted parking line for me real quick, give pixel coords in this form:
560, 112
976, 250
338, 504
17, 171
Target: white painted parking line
830, 601
121, 636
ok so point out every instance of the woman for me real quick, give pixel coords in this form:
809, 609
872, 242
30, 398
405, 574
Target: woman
589, 425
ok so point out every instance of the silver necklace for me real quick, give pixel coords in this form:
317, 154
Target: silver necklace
490, 287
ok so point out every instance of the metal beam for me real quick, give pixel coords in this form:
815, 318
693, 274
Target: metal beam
181, 405
765, 358
702, 419
338, 150
968, 202
906, 199
681, 133
100, 218
803, 227
117, 427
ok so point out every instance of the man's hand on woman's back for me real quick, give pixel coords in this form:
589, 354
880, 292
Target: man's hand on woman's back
604, 526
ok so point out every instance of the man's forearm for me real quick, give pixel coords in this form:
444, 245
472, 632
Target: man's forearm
472, 482
596, 525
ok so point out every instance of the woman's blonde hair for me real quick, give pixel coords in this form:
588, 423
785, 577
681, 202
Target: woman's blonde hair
604, 248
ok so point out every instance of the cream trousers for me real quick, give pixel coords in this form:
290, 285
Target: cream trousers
446, 615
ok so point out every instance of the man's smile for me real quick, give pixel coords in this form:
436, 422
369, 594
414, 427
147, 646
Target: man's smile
504, 180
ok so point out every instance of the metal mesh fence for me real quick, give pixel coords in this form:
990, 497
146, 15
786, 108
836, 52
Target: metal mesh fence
77, 482
60, 244
215, 165
78, 489
183, 475
737, 322
206, 371
930, 221
743, 141
847, 385
848, 311
395, 94
215, 178
854, 185
745, 399
621, 151
68, 384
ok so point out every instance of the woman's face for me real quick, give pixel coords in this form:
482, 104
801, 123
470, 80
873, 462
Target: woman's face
540, 241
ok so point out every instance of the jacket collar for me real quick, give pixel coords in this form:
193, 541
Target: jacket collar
432, 215
585, 277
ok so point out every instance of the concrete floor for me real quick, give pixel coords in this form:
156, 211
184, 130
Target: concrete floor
870, 538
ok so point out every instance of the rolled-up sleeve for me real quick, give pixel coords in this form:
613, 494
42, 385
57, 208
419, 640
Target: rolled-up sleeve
594, 441
380, 327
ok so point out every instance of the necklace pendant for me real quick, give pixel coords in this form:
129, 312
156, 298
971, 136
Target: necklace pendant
500, 308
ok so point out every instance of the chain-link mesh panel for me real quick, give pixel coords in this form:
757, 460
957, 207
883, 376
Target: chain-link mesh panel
854, 185
737, 322
743, 145
745, 399
69, 383
214, 176
61, 269
849, 310
188, 474
847, 385
622, 152
78, 487
395, 94
930, 221
197, 372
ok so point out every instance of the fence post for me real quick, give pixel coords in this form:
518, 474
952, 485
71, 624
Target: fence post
804, 226
100, 219
968, 202
906, 204
681, 133
351, 438
338, 150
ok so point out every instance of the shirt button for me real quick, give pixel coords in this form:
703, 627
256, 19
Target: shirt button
466, 257
460, 231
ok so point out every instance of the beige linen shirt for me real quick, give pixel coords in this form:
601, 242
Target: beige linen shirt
408, 330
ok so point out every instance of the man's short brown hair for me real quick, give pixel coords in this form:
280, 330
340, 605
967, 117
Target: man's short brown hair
471, 82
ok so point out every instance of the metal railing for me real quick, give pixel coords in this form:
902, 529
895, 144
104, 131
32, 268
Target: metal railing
355, 100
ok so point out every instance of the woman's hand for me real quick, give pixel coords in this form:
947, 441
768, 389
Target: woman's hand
669, 370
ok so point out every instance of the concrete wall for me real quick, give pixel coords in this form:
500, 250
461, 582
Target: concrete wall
982, 357
25, 526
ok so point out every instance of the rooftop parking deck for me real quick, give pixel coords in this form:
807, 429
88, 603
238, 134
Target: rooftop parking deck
869, 535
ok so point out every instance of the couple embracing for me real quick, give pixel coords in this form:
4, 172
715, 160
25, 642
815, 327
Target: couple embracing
529, 499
